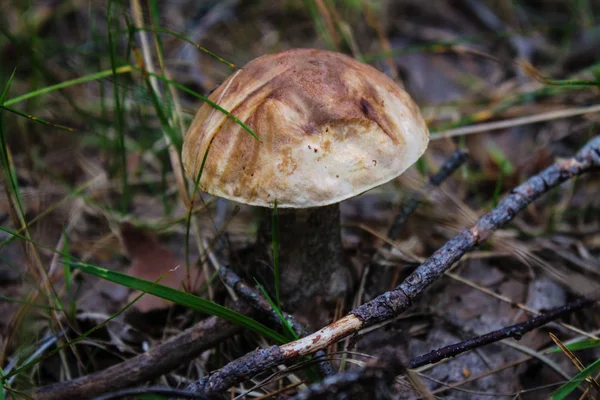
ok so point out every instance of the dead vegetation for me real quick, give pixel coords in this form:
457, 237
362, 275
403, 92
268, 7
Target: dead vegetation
92, 122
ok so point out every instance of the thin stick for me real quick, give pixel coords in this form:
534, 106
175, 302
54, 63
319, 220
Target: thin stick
514, 331
515, 304
395, 302
496, 370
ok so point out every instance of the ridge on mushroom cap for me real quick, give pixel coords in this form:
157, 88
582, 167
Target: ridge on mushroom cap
330, 128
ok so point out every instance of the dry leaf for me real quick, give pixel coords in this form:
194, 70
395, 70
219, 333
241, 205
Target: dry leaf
150, 260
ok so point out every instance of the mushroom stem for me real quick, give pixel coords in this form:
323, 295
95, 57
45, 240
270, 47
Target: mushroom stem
311, 257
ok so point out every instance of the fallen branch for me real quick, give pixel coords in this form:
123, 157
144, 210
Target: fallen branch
146, 366
380, 281
394, 302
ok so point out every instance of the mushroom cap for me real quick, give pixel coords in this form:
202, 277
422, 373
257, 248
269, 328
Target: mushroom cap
330, 128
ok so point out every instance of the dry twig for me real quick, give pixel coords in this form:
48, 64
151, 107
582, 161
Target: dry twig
514, 331
376, 281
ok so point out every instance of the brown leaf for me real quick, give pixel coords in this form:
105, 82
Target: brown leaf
150, 260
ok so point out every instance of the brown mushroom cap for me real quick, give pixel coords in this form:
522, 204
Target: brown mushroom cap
330, 128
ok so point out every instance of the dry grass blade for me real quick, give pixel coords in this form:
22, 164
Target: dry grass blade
531, 119
573, 359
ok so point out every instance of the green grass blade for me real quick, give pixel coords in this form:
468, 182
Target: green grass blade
120, 120
161, 113
188, 221
275, 248
566, 389
501, 160
579, 345
123, 70
312, 373
11, 177
506, 169
87, 78
7, 87
181, 298
422, 166
156, 29
2, 390
36, 119
322, 31
568, 82
286, 324
204, 99
68, 278
36, 305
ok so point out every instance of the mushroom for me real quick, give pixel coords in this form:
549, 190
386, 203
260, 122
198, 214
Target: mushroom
330, 128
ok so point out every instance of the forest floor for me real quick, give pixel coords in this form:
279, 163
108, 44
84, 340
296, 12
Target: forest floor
93, 192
